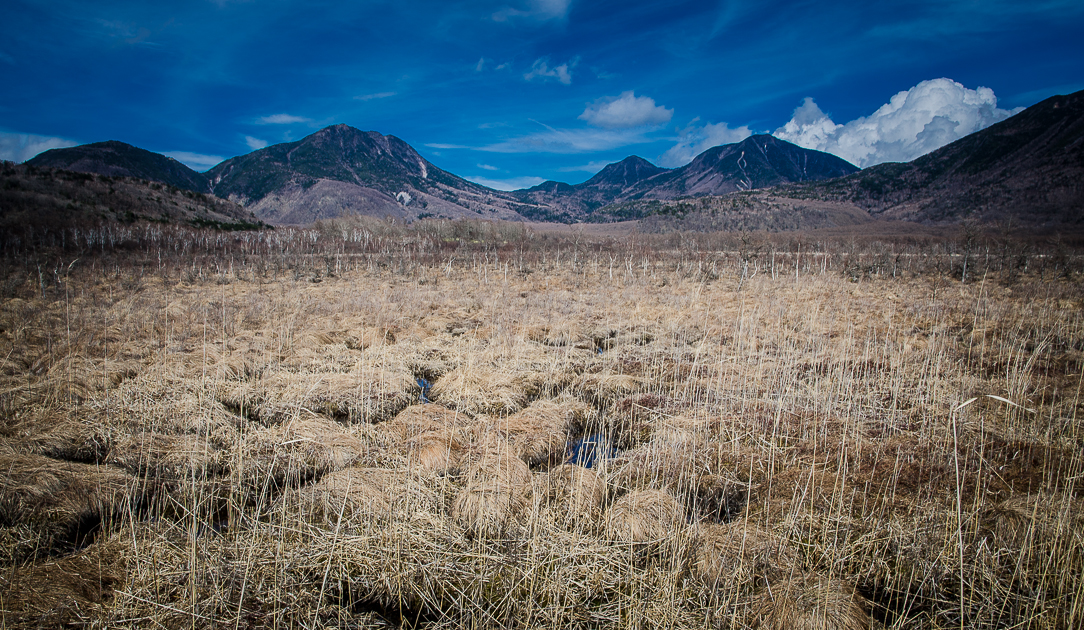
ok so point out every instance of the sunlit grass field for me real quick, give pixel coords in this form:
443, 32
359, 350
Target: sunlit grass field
365, 426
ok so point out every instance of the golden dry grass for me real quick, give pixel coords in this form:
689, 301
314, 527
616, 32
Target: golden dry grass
644, 517
810, 603
254, 449
575, 494
739, 553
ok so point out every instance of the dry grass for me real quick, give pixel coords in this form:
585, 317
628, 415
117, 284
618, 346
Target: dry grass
204, 445
575, 494
739, 553
646, 517
352, 499
810, 603
296, 451
64, 592
63, 504
494, 496
539, 434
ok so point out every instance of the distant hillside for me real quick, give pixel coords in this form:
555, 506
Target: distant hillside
341, 171
568, 203
759, 161
34, 196
1027, 170
119, 159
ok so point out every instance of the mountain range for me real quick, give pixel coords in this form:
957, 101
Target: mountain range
1029, 167
758, 161
339, 171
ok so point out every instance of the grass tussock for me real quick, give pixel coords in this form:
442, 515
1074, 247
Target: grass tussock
810, 603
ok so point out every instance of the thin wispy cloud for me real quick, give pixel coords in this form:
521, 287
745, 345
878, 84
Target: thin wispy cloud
20, 147
555, 140
127, 32
487, 167
933, 20
440, 145
913, 123
376, 95
694, 139
626, 111
534, 10
282, 119
542, 70
255, 143
513, 183
591, 167
195, 161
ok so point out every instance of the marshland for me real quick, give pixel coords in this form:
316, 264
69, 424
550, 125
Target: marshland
367, 424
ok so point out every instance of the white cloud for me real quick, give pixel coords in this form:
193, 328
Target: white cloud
513, 183
537, 10
369, 97
913, 123
487, 167
626, 111
195, 161
563, 73
255, 143
481, 64
694, 140
20, 147
281, 119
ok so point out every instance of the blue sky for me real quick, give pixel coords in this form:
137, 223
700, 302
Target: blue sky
511, 92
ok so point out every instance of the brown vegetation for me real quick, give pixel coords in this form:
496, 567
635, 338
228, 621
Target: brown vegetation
363, 424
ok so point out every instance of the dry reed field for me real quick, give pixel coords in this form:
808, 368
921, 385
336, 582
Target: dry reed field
359, 427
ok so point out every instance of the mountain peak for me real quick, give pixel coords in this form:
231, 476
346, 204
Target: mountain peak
340, 129
627, 172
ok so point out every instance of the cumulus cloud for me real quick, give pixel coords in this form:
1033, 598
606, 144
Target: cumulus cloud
255, 143
513, 183
536, 10
541, 70
281, 119
695, 139
913, 123
20, 147
626, 111
195, 161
